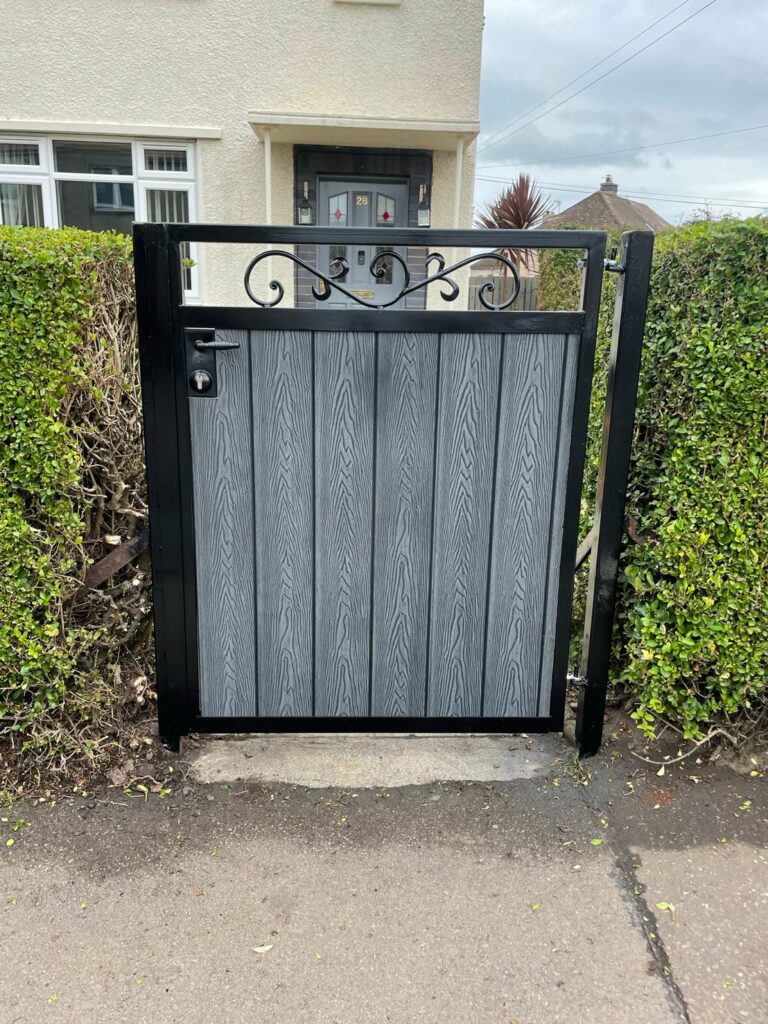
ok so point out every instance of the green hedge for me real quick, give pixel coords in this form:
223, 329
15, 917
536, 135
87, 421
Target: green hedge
692, 634
65, 318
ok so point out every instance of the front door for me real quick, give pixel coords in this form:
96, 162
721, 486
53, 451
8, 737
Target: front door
363, 204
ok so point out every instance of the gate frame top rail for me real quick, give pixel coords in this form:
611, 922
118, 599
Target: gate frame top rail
469, 238
163, 317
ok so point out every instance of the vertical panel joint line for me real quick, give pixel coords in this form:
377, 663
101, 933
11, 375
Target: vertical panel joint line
373, 516
249, 339
552, 499
492, 520
313, 443
430, 570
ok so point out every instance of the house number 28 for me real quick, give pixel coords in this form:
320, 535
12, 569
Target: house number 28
361, 200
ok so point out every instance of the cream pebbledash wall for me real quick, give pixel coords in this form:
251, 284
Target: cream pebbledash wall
192, 68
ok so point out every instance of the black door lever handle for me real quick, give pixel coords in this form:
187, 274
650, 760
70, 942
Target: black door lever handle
205, 346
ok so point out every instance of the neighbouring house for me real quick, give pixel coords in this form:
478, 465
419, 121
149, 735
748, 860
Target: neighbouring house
329, 112
606, 209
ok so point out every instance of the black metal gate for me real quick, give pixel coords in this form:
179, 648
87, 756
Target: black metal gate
367, 517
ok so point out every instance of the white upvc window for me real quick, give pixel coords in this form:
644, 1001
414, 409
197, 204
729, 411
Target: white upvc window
100, 185
25, 197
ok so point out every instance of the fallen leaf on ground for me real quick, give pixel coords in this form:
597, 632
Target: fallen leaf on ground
668, 908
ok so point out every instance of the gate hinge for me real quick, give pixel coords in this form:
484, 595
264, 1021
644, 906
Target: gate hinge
576, 680
612, 265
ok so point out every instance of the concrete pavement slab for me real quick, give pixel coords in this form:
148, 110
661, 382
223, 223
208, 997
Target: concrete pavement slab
369, 759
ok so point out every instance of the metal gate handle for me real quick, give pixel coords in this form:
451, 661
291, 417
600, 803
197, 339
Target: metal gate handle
203, 346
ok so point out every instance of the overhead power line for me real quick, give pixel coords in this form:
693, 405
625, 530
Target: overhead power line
592, 67
629, 149
655, 197
561, 186
594, 81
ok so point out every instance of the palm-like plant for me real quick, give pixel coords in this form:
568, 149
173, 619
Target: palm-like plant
521, 205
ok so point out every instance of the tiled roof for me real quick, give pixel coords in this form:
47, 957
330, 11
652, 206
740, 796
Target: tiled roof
608, 210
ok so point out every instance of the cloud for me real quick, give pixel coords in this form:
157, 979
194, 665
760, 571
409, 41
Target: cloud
537, 147
709, 75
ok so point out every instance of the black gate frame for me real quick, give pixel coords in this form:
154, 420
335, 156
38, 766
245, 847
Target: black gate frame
163, 320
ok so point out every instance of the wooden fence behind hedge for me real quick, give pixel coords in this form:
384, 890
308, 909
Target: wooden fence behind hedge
527, 299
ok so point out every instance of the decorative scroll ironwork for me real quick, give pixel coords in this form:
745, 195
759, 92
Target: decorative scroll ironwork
339, 268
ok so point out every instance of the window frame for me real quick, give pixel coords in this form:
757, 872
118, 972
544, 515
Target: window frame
117, 195
32, 179
29, 174
46, 176
173, 147
25, 140
145, 185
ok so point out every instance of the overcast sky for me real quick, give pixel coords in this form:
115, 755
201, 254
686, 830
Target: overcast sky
709, 75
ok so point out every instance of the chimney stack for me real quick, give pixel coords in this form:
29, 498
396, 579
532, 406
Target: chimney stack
609, 185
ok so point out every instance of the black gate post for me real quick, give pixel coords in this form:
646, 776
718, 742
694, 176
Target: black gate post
158, 291
634, 266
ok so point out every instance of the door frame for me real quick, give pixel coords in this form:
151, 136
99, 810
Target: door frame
327, 181
353, 162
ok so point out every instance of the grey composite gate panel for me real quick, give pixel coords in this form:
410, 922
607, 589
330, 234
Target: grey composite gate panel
280, 379
344, 423
407, 396
223, 505
378, 522
469, 376
539, 378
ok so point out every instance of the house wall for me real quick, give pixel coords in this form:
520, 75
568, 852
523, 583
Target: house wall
204, 64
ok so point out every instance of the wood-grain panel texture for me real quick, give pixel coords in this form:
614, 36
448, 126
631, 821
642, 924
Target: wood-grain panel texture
344, 422
283, 468
223, 496
469, 370
379, 523
529, 423
558, 522
407, 379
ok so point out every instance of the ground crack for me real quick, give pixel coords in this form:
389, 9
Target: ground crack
634, 892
